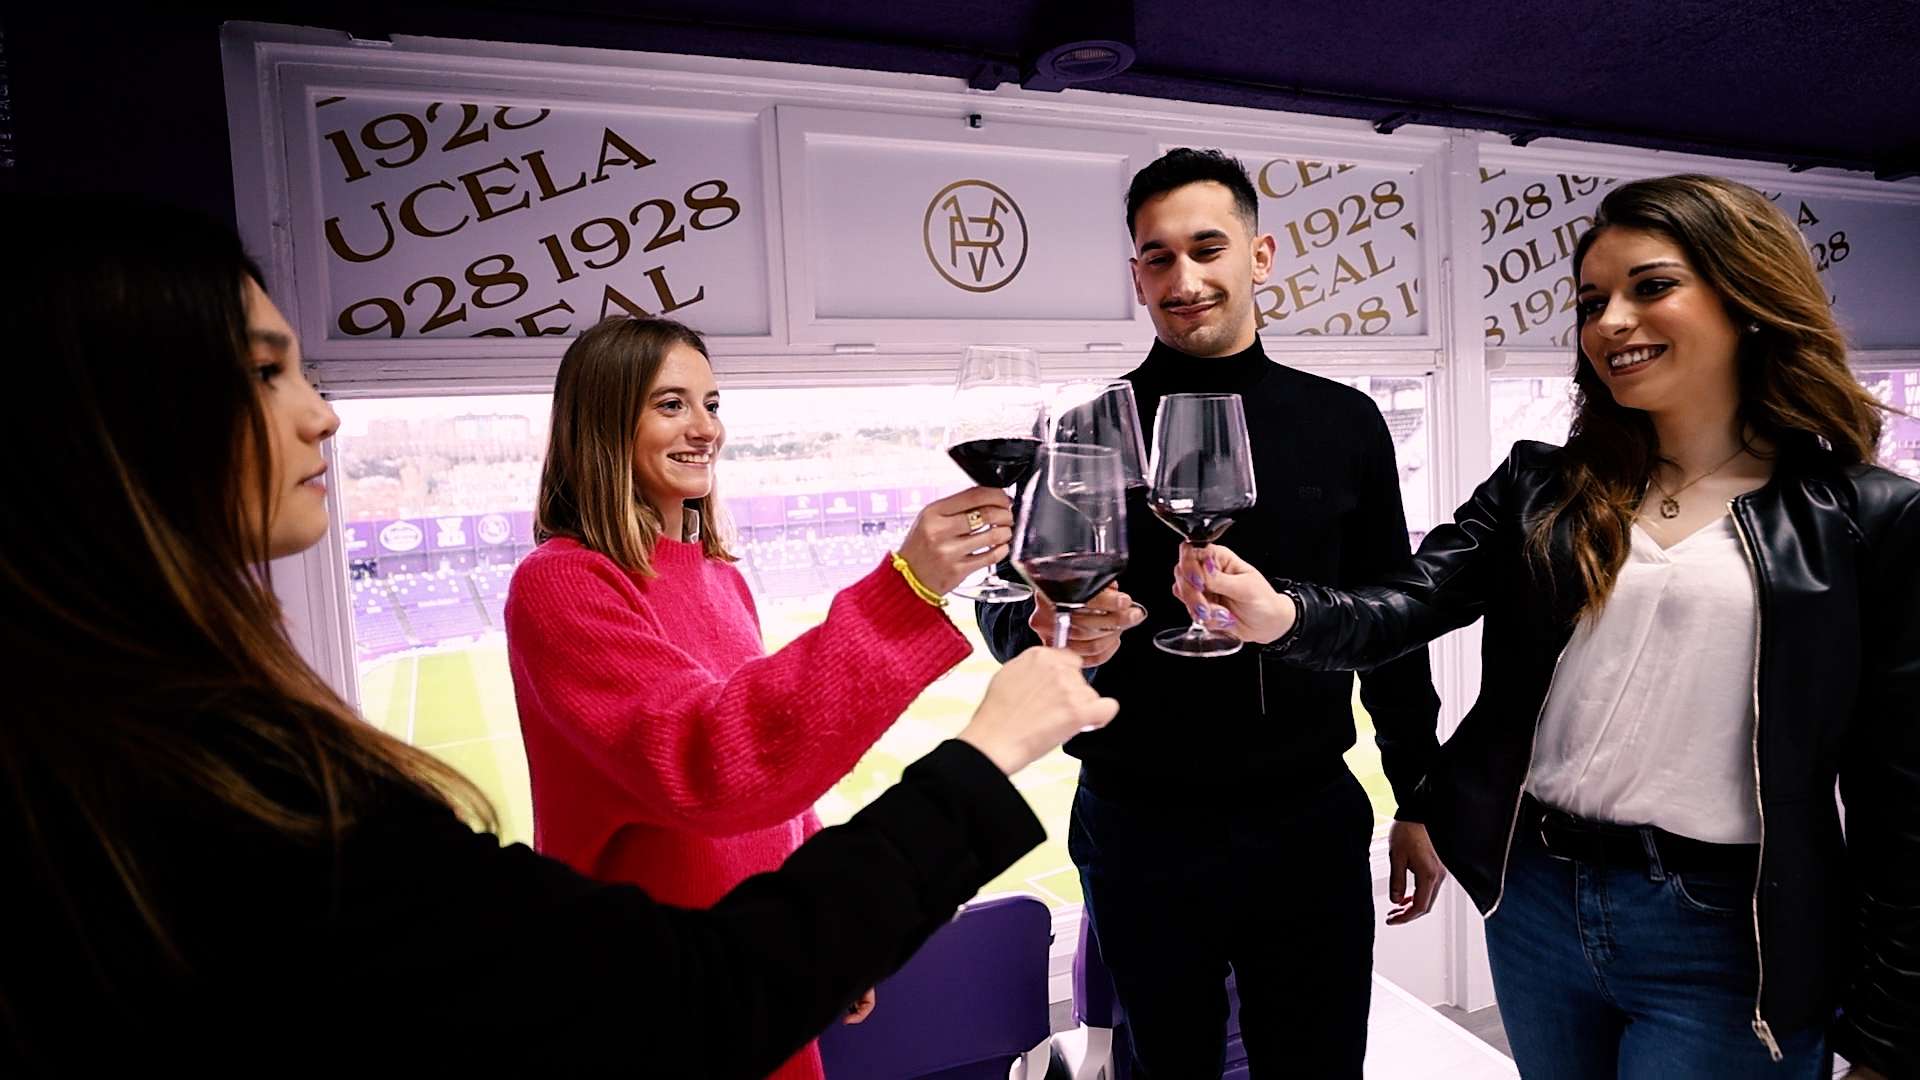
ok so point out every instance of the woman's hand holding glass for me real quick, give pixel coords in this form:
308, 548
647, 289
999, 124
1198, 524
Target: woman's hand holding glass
1037, 701
1223, 591
1096, 628
954, 537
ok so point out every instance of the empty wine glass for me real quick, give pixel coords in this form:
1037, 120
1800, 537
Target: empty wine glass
1103, 414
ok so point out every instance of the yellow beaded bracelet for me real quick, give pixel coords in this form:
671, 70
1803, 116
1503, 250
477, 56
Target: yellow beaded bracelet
913, 583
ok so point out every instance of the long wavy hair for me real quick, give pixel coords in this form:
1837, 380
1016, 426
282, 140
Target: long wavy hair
1796, 390
146, 655
587, 490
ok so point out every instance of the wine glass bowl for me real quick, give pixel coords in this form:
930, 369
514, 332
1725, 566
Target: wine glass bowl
1103, 414
993, 434
1201, 476
1070, 540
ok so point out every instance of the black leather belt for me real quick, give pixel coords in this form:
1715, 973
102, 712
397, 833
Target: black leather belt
1604, 843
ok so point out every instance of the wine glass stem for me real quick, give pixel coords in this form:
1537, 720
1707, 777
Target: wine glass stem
1062, 626
993, 580
1198, 626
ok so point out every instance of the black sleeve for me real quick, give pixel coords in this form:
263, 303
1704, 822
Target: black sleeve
1444, 588
1398, 695
1004, 626
579, 974
1880, 785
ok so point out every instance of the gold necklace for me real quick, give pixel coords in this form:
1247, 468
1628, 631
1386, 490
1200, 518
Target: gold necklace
1669, 500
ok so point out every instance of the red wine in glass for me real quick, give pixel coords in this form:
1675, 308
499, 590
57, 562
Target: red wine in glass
993, 433
1070, 541
1199, 525
995, 462
1072, 579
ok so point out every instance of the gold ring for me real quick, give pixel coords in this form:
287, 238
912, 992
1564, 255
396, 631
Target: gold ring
974, 521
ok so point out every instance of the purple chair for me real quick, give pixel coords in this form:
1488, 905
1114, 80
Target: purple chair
968, 1005
1106, 1052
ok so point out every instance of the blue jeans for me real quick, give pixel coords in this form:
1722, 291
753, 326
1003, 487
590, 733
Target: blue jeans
1633, 972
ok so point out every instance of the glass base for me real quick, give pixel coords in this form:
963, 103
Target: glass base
1196, 641
993, 590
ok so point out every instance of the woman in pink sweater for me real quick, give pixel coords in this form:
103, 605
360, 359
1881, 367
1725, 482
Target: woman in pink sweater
666, 747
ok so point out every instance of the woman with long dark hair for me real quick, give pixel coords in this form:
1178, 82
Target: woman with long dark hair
1699, 613
214, 864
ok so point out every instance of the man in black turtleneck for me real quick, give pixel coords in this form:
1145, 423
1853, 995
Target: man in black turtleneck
1216, 823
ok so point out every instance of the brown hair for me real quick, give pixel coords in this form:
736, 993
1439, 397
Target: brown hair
587, 491
1796, 390
147, 652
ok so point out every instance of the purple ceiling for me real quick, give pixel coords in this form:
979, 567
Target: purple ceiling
1807, 82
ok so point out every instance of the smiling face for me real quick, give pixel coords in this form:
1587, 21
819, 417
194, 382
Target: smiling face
679, 432
1196, 262
298, 420
1655, 332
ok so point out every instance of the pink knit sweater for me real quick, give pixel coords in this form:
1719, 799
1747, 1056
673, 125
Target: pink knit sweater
665, 747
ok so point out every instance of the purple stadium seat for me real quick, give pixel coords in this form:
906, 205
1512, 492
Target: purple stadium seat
968, 1005
440, 607
377, 629
489, 583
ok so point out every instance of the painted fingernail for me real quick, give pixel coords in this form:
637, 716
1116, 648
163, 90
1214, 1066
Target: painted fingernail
1203, 611
1211, 568
1223, 617
1195, 580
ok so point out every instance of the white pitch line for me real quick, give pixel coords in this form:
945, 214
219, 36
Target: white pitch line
413, 698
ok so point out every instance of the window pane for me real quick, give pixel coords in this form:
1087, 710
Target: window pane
438, 500
1900, 438
822, 483
1403, 402
1540, 409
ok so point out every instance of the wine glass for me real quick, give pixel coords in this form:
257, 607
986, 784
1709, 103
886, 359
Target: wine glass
999, 413
1202, 475
1103, 414
1071, 539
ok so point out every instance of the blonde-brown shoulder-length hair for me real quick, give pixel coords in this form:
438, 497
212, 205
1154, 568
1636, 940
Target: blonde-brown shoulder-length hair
1796, 390
587, 491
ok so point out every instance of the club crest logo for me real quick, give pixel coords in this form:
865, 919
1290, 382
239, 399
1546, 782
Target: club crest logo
975, 235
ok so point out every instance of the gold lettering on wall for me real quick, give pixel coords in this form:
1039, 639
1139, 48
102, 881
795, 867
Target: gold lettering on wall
504, 288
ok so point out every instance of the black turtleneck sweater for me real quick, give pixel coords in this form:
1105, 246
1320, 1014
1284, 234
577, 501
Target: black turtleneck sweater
1191, 730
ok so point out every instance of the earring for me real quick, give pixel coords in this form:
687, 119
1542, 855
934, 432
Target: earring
1753, 328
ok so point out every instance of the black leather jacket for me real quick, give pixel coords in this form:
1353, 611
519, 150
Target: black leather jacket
1835, 554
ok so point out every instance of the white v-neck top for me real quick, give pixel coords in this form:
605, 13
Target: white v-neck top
1650, 720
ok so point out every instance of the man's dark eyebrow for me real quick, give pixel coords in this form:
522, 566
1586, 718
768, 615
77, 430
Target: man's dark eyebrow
1200, 237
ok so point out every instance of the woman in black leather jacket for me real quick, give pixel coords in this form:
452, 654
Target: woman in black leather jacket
1699, 614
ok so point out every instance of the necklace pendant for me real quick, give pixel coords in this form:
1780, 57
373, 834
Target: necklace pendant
1669, 507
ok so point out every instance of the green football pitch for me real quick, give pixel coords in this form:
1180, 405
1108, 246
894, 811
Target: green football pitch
458, 704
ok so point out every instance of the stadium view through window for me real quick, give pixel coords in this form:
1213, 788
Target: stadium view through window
820, 483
